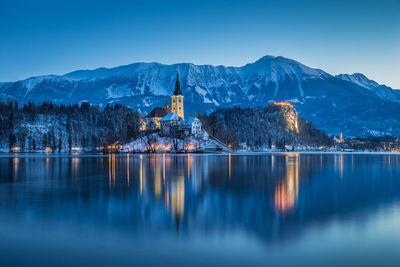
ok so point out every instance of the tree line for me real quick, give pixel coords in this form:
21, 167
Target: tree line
61, 127
261, 127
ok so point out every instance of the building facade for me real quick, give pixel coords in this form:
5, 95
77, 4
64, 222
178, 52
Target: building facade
177, 99
193, 126
169, 123
154, 117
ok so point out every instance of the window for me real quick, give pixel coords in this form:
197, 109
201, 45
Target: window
180, 100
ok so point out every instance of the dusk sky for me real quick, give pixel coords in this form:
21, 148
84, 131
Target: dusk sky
55, 37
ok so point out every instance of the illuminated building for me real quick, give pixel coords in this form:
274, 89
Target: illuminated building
114, 147
177, 99
152, 120
154, 117
289, 114
169, 122
191, 127
283, 104
15, 149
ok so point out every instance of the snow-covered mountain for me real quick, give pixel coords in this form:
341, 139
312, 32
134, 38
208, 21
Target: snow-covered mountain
352, 103
359, 79
382, 91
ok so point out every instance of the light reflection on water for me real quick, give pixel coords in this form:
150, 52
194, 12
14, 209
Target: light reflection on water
291, 209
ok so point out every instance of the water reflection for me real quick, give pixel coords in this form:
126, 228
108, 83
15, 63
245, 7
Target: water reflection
339, 164
157, 179
127, 169
178, 199
15, 164
286, 190
272, 198
141, 175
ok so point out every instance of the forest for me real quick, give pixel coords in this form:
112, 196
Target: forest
262, 128
63, 128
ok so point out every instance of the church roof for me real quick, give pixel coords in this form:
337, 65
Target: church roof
171, 117
177, 86
158, 112
190, 120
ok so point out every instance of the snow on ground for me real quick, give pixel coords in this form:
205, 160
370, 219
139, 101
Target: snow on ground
158, 143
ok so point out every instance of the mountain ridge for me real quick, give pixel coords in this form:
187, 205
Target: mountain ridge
330, 102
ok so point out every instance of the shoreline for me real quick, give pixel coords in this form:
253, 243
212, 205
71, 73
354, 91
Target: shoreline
120, 154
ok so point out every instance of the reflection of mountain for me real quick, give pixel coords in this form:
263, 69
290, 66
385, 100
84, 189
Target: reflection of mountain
270, 196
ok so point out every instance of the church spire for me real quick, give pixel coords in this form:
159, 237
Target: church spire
177, 99
177, 86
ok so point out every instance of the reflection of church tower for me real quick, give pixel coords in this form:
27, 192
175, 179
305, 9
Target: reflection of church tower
178, 200
177, 99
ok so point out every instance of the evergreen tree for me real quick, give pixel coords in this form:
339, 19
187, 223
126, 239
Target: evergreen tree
60, 144
82, 124
12, 140
70, 143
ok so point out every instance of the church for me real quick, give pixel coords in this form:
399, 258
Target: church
152, 120
171, 121
177, 99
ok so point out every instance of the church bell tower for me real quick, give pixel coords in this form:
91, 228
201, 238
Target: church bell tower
177, 99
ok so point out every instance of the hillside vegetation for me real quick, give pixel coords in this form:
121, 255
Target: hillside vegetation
263, 128
62, 128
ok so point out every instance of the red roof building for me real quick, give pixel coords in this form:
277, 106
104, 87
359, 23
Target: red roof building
154, 117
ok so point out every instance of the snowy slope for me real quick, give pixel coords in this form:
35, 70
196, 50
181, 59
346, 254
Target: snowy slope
352, 103
359, 79
382, 91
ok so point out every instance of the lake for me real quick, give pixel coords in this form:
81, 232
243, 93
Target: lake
284, 209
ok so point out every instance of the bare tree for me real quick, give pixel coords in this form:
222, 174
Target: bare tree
148, 138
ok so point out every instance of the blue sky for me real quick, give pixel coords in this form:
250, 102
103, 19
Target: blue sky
58, 36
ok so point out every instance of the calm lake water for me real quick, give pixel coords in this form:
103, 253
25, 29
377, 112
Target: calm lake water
215, 210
